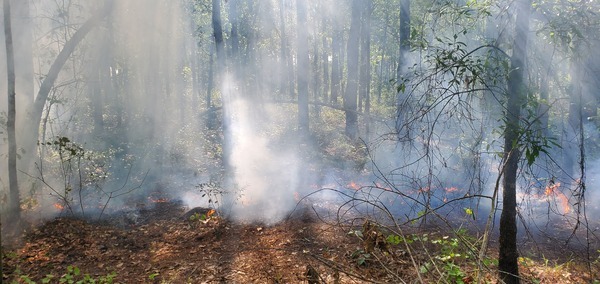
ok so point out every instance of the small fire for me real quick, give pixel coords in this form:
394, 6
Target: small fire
451, 189
380, 186
424, 189
552, 190
354, 185
158, 200
59, 206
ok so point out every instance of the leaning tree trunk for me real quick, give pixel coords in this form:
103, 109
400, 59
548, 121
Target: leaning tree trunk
508, 256
30, 138
14, 205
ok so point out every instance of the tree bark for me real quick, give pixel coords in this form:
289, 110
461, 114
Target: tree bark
404, 37
325, 64
336, 70
365, 58
14, 205
303, 70
234, 20
351, 94
285, 65
218, 34
402, 53
508, 256
381, 80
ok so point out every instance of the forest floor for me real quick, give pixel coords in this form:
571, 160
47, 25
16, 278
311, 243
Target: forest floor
162, 246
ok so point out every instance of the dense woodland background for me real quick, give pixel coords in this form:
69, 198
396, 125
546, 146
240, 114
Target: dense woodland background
405, 111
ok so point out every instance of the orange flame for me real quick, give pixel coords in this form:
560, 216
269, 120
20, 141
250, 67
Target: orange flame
354, 185
424, 189
552, 190
451, 189
158, 200
59, 206
379, 185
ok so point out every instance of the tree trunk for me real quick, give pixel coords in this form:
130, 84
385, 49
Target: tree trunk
381, 80
404, 37
336, 70
220, 71
403, 50
365, 58
218, 35
283, 66
235, 42
316, 72
303, 70
325, 89
508, 256
14, 205
351, 94
210, 121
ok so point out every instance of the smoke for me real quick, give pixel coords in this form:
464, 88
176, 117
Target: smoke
136, 91
265, 175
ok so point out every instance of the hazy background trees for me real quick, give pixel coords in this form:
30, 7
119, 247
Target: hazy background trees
169, 94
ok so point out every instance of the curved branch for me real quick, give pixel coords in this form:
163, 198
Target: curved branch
68, 49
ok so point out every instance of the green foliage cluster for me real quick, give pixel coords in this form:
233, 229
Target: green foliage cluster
73, 275
82, 172
447, 255
213, 192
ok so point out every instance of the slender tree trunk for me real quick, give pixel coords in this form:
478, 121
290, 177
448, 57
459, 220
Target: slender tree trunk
365, 57
285, 87
381, 80
351, 94
97, 102
209, 89
336, 70
404, 37
234, 21
218, 35
403, 50
225, 97
14, 205
316, 72
325, 89
303, 70
576, 105
508, 256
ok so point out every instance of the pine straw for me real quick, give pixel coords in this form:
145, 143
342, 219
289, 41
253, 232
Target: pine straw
218, 251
